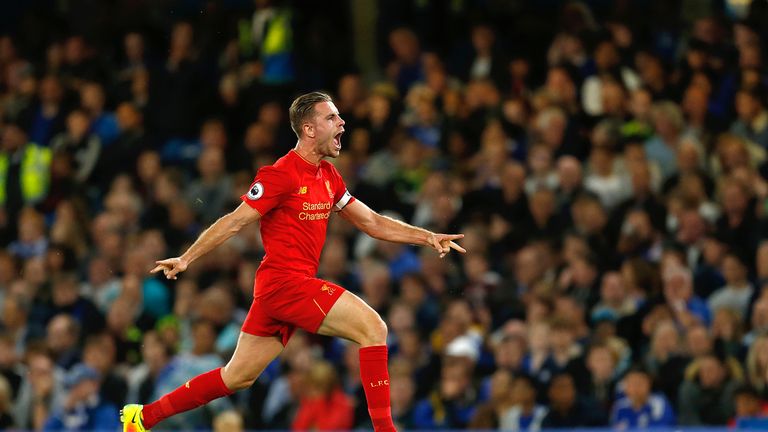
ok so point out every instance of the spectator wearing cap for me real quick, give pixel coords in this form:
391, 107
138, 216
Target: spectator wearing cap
752, 121
706, 397
737, 291
82, 408
639, 407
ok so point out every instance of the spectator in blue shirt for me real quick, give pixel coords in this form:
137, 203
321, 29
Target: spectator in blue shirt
640, 408
452, 405
83, 409
678, 292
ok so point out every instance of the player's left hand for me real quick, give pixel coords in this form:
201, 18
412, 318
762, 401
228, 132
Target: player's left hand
443, 243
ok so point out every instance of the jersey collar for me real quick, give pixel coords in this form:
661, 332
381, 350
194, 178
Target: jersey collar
304, 164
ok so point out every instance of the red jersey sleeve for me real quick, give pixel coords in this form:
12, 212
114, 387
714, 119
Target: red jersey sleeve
270, 187
340, 191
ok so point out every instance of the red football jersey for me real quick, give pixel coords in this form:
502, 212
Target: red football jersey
295, 199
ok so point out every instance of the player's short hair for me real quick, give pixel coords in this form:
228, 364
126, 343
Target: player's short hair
303, 107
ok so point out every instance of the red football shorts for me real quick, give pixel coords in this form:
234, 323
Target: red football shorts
282, 303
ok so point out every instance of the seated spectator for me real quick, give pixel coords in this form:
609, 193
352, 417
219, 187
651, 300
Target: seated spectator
750, 409
759, 321
324, 406
567, 409
706, 398
737, 292
103, 123
6, 407
678, 293
82, 408
42, 389
62, 337
524, 414
32, 241
228, 421
601, 362
615, 302
449, 406
99, 353
66, 299
640, 408
727, 329
757, 365
81, 147
403, 390
209, 195
752, 121
487, 415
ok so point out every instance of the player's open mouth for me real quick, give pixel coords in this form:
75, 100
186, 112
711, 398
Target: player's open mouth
337, 140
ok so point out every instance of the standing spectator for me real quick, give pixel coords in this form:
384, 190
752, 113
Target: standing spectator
24, 176
640, 408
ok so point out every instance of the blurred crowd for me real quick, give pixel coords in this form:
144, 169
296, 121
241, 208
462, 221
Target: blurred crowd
605, 160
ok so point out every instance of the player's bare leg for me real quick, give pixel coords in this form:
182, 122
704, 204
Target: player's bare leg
351, 318
251, 357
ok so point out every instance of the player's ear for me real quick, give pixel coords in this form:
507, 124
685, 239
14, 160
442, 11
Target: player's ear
309, 130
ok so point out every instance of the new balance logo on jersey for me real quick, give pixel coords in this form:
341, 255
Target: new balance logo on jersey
302, 190
379, 383
329, 289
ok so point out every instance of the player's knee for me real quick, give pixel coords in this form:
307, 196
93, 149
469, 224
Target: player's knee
376, 331
238, 379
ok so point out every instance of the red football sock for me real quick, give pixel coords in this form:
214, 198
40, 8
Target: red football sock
375, 380
196, 392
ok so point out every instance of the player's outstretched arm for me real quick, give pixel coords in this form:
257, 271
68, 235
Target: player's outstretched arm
216, 234
385, 228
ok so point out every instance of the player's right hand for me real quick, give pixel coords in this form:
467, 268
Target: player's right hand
171, 267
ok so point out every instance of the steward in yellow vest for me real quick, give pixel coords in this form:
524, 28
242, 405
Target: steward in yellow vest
25, 171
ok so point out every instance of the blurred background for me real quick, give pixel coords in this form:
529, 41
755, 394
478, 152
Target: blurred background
605, 159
